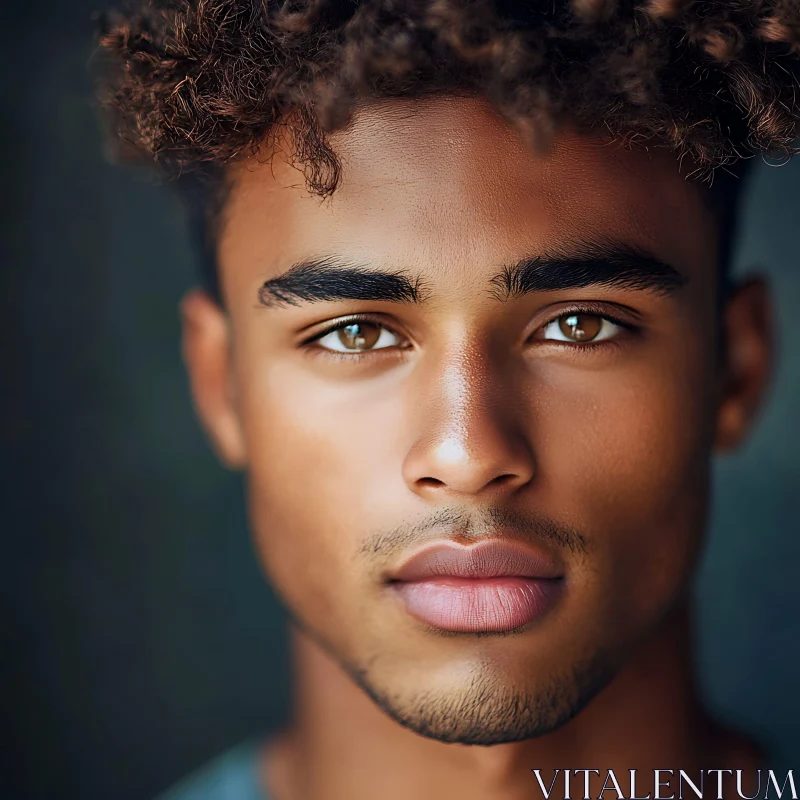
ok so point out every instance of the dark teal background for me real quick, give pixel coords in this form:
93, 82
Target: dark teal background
138, 638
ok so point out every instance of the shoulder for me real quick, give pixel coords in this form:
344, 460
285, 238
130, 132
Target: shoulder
231, 776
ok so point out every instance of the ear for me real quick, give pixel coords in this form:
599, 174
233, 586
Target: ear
207, 355
747, 361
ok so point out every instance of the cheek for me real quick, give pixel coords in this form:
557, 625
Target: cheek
320, 475
627, 451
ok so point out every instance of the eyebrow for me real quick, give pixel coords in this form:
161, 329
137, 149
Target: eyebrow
608, 264
619, 266
329, 279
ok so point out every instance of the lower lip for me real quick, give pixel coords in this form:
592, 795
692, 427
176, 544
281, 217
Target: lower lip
474, 605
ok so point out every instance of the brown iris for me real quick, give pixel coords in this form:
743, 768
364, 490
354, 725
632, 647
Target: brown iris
580, 327
359, 335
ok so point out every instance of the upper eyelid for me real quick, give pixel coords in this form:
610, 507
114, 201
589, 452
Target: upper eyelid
591, 309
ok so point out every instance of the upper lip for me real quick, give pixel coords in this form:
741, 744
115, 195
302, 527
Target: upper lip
492, 558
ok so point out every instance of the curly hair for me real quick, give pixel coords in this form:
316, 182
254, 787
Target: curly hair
196, 84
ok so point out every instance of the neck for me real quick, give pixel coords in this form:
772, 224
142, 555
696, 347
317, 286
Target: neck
340, 745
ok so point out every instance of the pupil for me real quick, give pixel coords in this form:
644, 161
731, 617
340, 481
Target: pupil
580, 327
359, 335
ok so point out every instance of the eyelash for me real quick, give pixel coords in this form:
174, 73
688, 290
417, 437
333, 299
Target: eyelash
594, 311
342, 323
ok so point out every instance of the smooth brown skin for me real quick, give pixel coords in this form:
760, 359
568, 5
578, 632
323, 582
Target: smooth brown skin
613, 441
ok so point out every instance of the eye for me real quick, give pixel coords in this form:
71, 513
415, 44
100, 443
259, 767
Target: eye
354, 337
579, 328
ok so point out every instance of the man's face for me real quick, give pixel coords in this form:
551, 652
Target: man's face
535, 368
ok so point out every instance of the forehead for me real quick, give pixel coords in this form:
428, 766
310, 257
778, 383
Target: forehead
447, 184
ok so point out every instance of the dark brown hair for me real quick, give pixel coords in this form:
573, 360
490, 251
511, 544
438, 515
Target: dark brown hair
195, 84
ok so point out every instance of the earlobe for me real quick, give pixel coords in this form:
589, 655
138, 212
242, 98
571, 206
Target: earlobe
747, 362
207, 354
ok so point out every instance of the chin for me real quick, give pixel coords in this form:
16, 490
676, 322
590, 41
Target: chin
484, 704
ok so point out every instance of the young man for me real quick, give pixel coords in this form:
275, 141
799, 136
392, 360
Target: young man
468, 330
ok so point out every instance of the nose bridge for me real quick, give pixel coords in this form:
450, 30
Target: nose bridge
469, 435
470, 394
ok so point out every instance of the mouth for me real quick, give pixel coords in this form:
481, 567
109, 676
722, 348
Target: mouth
493, 586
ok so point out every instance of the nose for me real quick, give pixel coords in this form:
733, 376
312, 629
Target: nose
471, 438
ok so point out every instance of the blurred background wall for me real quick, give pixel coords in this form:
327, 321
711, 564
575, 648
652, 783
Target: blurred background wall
137, 637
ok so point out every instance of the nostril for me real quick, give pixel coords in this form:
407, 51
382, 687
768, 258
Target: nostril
432, 482
501, 480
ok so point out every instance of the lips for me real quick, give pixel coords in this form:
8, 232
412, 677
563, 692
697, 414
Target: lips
495, 585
